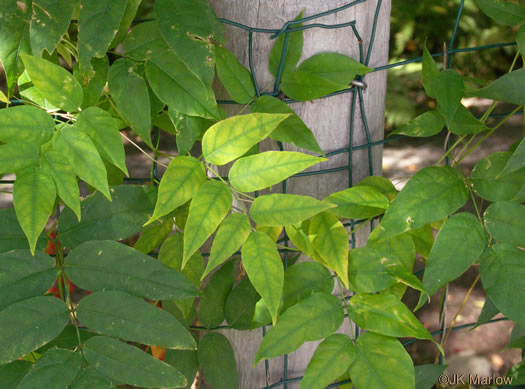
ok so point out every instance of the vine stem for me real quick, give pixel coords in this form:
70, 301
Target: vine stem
143, 151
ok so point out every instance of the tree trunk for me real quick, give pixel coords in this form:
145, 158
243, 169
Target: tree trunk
328, 118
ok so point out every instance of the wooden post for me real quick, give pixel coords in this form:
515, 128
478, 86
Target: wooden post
329, 119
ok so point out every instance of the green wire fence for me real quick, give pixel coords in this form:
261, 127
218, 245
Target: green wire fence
356, 89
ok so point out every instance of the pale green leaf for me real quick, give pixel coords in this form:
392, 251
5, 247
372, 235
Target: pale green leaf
17, 156
505, 221
240, 305
98, 24
97, 265
49, 23
503, 12
358, 202
29, 324
231, 138
380, 183
429, 123
34, 197
217, 360
458, 245
130, 365
294, 50
54, 83
55, 369
3, 97
236, 78
153, 235
314, 318
508, 88
232, 233
179, 184
263, 170
130, 318
292, 130
213, 300
285, 209
130, 93
381, 362
264, 267
330, 360
81, 152
208, 208
26, 123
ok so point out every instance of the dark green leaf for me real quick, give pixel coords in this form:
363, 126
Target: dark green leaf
127, 19
430, 73
25, 276
185, 361
153, 235
130, 365
428, 124
29, 324
12, 374
26, 123
314, 318
292, 130
12, 236
423, 238
213, 300
188, 129
427, 375
17, 156
93, 87
236, 78
520, 40
517, 159
144, 42
68, 339
294, 50
49, 23
508, 88
358, 202
217, 361
120, 219
505, 221
55, 369
458, 245
89, 379
488, 311
240, 305
130, 93
97, 265
517, 337
449, 89
465, 123
130, 318
503, 12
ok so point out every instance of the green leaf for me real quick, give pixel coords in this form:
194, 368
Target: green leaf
25, 276
373, 353
427, 375
176, 86
427, 124
55, 369
508, 88
423, 239
321, 75
231, 138
93, 87
101, 128
98, 23
179, 184
213, 300
264, 267
144, 42
387, 315
3, 98
17, 156
81, 152
503, 276
217, 361
358, 202
330, 360
505, 221
240, 305
189, 27
101, 219
449, 89
54, 83
29, 324
127, 19
12, 374
130, 93
89, 378
26, 123
430, 73
520, 40
517, 337
465, 123
330, 241
34, 197
65, 179
285, 209
208, 208
188, 129
153, 235
263, 170
12, 236
232, 233
68, 339
294, 50
314, 318
382, 184
489, 182
236, 78
430, 195
49, 23
503, 12
97, 265
130, 318
130, 365
185, 361
516, 160
488, 311
292, 130
14, 38
451, 256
